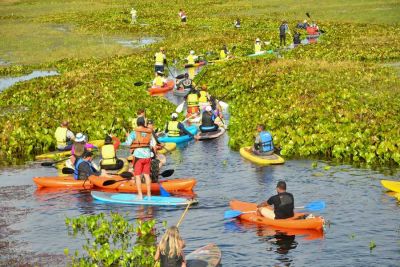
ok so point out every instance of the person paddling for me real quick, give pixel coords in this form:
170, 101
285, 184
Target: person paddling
170, 249
175, 128
109, 159
84, 167
192, 58
208, 121
223, 53
186, 83
64, 137
263, 144
79, 147
283, 204
161, 59
257, 46
159, 80
192, 100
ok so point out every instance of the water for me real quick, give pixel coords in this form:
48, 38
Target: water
10, 81
138, 42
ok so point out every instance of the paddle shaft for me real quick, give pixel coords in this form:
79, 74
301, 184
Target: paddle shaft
49, 164
183, 214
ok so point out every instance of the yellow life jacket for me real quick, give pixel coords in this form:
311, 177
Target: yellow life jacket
203, 97
222, 54
257, 47
192, 100
191, 59
61, 136
143, 137
159, 58
108, 155
159, 81
173, 129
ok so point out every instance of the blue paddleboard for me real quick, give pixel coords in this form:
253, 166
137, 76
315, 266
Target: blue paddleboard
132, 199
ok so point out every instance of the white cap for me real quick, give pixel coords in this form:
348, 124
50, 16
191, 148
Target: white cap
208, 108
192, 52
79, 137
160, 72
258, 39
174, 115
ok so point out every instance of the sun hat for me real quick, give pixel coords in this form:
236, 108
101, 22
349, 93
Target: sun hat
79, 137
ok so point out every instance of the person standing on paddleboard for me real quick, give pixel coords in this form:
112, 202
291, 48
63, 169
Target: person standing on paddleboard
283, 204
161, 60
283, 29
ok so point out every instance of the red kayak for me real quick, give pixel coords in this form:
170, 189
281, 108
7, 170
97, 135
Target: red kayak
159, 90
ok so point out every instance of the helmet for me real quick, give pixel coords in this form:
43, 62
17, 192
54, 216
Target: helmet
192, 52
174, 115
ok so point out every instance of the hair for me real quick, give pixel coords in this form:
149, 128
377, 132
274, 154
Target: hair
64, 123
261, 126
79, 148
87, 154
173, 240
281, 185
107, 140
140, 121
140, 111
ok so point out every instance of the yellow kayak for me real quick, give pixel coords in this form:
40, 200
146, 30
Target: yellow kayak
62, 154
391, 185
246, 153
168, 147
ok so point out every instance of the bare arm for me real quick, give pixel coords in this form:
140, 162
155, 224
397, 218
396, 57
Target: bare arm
157, 255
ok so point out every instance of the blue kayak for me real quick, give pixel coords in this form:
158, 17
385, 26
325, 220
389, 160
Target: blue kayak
179, 139
132, 199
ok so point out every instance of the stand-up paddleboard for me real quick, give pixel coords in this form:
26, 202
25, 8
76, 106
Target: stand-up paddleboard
207, 256
210, 135
132, 199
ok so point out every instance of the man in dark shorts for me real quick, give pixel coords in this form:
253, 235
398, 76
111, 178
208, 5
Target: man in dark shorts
283, 204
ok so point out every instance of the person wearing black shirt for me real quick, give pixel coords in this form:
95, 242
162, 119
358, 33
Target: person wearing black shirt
283, 204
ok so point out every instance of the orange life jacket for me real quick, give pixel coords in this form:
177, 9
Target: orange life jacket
143, 137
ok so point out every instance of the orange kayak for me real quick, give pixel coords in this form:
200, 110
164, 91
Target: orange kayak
295, 222
62, 182
183, 184
158, 90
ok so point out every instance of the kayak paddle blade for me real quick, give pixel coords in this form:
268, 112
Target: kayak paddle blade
180, 76
315, 206
229, 214
167, 173
138, 83
67, 170
180, 107
109, 182
126, 175
47, 164
163, 192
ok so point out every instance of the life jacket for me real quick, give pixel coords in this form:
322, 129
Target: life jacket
187, 83
61, 136
173, 129
191, 59
207, 119
312, 30
192, 100
203, 97
79, 162
143, 137
257, 48
108, 155
159, 81
266, 142
159, 58
222, 54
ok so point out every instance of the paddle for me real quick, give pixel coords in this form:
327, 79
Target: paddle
184, 213
126, 175
51, 163
313, 206
166, 173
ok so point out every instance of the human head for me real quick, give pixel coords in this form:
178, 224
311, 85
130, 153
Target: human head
87, 155
258, 40
208, 108
162, 49
174, 116
79, 138
107, 140
204, 87
141, 112
260, 127
305, 21
172, 239
64, 124
192, 52
186, 75
281, 187
140, 121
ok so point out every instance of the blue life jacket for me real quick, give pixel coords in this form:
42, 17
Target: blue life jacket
77, 163
266, 142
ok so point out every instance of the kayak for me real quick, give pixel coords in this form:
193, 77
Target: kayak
197, 64
158, 90
261, 53
132, 199
181, 92
211, 135
391, 185
295, 222
60, 154
219, 61
182, 184
61, 182
207, 256
168, 147
246, 153
179, 139
124, 168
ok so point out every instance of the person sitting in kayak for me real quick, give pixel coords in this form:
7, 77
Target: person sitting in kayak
296, 38
85, 168
208, 121
216, 107
283, 204
186, 83
175, 128
192, 58
204, 95
159, 81
109, 159
257, 46
236, 23
263, 144
79, 147
192, 100
170, 249
64, 137
223, 54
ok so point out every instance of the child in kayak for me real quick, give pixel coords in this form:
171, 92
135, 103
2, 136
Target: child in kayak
170, 249
283, 204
